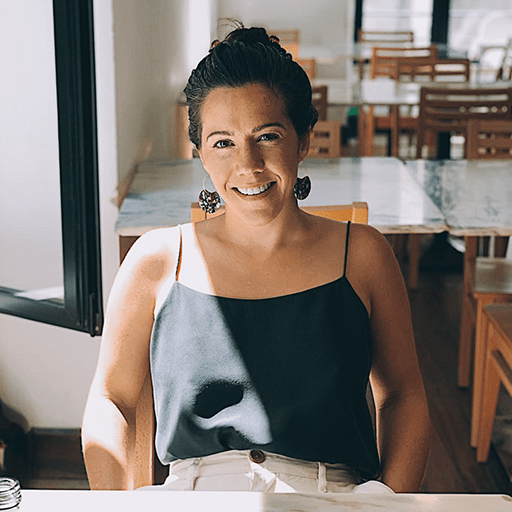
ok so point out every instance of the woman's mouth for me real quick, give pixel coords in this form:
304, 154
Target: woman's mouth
254, 191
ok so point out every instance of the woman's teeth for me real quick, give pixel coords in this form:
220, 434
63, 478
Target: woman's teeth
254, 191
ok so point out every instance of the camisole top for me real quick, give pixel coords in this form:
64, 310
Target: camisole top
285, 374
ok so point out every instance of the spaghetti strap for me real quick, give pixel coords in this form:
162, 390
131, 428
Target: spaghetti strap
178, 261
346, 248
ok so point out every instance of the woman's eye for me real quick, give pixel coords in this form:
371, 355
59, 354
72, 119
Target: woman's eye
269, 137
222, 144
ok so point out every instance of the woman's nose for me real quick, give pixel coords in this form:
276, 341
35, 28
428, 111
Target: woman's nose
250, 159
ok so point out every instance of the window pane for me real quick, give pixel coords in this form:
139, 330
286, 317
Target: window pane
474, 24
30, 223
400, 15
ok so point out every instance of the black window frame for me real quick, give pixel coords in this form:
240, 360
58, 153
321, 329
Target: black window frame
440, 20
82, 307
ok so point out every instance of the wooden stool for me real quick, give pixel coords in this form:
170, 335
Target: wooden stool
497, 341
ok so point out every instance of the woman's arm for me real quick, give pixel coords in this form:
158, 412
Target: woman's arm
403, 424
108, 431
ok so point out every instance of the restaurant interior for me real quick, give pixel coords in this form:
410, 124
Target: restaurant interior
415, 119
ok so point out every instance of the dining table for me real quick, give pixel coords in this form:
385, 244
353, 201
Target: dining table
161, 193
201, 501
475, 196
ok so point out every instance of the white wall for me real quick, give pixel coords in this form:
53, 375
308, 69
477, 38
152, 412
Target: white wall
322, 22
157, 44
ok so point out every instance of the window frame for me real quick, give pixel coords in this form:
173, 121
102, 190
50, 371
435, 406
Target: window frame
82, 307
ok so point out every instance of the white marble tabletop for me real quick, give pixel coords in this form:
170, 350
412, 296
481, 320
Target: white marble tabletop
475, 196
128, 501
161, 194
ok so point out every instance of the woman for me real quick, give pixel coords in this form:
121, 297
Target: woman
261, 326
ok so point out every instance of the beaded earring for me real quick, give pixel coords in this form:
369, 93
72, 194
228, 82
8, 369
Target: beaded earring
302, 188
209, 201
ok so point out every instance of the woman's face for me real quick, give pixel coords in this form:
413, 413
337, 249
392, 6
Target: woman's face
251, 150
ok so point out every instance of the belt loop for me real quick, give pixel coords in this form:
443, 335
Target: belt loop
322, 479
191, 474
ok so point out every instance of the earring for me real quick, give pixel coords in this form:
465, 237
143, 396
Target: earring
209, 201
302, 187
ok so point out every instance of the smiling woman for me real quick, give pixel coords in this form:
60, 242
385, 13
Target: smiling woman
260, 327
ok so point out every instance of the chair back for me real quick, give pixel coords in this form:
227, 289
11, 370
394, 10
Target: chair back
449, 110
319, 100
413, 69
355, 212
384, 60
145, 458
325, 140
382, 37
489, 139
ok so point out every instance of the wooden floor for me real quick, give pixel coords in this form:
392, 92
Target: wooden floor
452, 468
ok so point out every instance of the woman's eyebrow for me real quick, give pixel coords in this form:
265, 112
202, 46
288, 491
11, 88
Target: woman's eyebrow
268, 125
219, 133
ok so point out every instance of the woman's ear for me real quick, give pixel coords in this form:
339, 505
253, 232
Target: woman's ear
304, 146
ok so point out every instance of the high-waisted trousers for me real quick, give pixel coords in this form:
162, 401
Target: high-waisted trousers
255, 470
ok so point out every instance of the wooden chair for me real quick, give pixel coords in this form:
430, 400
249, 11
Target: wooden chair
376, 38
384, 64
487, 280
489, 139
497, 351
383, 37
145, 458
355, 212
319, 100
384, 59
325, 140
449, 110
432, 69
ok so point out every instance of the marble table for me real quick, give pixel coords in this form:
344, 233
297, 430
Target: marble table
475, 196
131, 501
161, 193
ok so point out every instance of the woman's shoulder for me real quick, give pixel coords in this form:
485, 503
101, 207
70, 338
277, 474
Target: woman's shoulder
153, 254
368, 248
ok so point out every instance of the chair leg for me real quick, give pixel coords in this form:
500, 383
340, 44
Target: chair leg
481, 336
414, 260
490, 395
465, 344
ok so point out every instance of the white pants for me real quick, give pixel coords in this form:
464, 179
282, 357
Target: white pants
254, 470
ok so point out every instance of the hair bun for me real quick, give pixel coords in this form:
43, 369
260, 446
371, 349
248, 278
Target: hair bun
251, 35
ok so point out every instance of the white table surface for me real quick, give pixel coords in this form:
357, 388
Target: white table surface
161, 193
131, 501
475, 196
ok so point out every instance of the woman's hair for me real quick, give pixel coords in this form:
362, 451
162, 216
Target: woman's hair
251, 56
